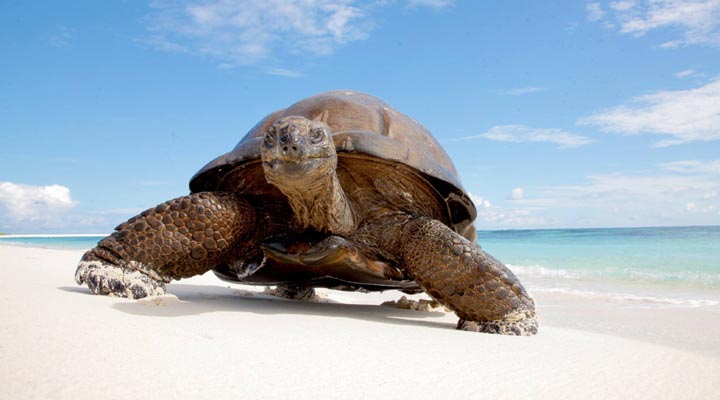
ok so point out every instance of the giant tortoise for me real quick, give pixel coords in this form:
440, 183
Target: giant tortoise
337, 191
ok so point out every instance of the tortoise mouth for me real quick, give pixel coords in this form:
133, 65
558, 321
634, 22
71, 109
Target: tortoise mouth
310, 167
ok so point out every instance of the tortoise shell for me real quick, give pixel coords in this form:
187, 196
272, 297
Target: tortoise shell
360, 124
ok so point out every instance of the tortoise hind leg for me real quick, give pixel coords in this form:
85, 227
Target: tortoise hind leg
483, 292
293, 292
180, 238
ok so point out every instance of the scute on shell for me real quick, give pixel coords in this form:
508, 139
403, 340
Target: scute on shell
361, 125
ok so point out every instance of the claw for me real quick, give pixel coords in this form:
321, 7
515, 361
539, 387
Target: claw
102, 278
520, 323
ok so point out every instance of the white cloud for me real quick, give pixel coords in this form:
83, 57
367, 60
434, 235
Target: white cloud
625, 200
517, 194
693, 166
490, 215
480, 202
698, 21
622, 5
523, 90
685, 73
693, 208
436, 4
284, 72
245, 32
594, 11
607, 187
523, 134
37, 205
684, 115
675, 193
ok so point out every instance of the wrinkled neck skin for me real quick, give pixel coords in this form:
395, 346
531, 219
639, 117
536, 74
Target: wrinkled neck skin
321, 205
299, 158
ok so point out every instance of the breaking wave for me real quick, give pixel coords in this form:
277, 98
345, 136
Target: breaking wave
706, 280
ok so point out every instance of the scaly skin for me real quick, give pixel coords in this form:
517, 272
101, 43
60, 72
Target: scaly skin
457, 273
183, 237
190, 235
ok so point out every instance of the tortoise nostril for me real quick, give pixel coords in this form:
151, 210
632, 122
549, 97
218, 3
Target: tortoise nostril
291, 152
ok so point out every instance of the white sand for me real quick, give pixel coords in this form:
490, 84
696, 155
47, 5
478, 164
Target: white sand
208, 339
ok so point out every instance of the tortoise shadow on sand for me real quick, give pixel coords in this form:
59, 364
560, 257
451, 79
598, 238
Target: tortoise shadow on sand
189, 299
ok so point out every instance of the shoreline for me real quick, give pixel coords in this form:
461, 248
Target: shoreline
682, 325
598, 228
50, 235
207, 338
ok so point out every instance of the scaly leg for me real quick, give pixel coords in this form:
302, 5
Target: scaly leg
482, 291
180, 238
293, 292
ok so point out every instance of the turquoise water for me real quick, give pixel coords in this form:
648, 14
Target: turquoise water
68, 242
683, 255
677, 265
674, 265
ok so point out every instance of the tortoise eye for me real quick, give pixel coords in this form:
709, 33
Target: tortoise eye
317, 136
269, 140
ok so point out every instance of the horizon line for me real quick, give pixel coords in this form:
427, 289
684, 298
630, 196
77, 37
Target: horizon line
61, 235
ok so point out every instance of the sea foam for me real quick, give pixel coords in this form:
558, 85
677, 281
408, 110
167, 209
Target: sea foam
631, 297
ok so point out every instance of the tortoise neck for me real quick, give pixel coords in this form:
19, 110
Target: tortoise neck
323, 206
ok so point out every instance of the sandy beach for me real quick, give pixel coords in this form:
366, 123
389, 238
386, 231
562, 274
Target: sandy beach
209, 339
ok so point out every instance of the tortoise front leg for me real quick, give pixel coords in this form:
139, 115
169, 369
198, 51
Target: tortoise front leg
482, 291
180, 238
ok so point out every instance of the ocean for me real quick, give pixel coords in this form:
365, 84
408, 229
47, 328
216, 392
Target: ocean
663, 266
674, 266
60, 242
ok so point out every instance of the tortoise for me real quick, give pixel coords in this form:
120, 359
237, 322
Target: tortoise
339, 191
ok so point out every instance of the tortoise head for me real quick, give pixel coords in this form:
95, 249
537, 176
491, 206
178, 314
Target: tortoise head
296, 152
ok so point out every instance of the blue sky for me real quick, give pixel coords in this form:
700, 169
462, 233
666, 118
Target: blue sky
557, 114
